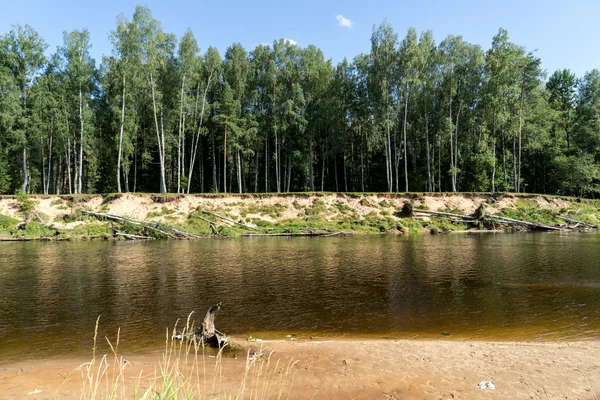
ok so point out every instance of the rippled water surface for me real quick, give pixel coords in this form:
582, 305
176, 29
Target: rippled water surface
482, 286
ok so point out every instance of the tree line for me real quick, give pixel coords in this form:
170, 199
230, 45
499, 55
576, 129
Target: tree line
411, 115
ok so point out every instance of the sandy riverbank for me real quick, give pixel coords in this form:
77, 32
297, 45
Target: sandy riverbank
296, 213
358, 369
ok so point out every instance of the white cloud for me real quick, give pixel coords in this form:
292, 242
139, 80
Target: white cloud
343, 21
291, 42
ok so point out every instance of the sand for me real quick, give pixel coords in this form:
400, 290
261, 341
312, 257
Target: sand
362, 369
147, 207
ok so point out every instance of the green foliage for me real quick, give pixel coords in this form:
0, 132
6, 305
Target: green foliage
343, 207
7, 224
165, 211
156, 115
33, 230
91, 230
26, 204
273, 210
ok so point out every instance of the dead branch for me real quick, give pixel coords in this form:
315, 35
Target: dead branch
133, 237
229, 220
519, 222
445, 214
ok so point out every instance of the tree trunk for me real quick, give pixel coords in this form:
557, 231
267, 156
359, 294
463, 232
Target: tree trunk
289, 175
121, 138
494, 155
179, 139
455, 169
163, 170
429, 185
239, 171
25, 172
256, 170
266, 162
135, 164
405, 142
214, 162
49, 165
520, 131
345, 177
163, 183
504, 160
514, 157
310, 167
388, 161
277, 168
225, 161
362, 163
322, 167
79, 181
197, 139
337, 189
69, 164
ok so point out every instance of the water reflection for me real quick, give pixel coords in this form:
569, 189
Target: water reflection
521, 286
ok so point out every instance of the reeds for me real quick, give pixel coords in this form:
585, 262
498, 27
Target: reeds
186, 370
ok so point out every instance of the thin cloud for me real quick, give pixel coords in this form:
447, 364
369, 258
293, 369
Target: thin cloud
291, 42
343, 21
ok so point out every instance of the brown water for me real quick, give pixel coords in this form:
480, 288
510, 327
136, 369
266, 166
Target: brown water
481, 286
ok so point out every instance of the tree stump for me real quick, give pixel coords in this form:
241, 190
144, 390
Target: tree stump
407, 210
207, 333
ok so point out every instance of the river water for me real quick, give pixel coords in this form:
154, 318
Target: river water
462, 286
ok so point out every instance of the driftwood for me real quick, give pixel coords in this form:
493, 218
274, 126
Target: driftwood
133, 237
445, 214
209, 222
519, 222
176, 233
229, 220
207, 333
574, 221
480, 214
322, 234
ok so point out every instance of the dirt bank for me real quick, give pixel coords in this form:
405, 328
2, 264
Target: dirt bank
353, 369
327, 212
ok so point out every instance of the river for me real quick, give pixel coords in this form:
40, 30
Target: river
482, 286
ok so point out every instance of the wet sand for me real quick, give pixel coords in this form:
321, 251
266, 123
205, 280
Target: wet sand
358, 369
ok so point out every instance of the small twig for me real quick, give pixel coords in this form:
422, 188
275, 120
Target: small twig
588, 383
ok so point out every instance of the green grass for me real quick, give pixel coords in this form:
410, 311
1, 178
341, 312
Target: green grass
33, 230
90, 230
26, 204
163, 212
273, 210
7, 224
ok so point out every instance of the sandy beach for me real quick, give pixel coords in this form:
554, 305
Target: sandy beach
351, 369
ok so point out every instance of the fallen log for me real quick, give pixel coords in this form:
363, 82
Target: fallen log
212, 226
578, 222
229, 220
445, 214
207, 333
322, 234
519, 222
114, 217
133, 237
119, 218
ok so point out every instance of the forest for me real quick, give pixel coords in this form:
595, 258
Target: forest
159, 115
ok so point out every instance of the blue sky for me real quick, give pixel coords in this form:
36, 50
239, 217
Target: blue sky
565, 34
